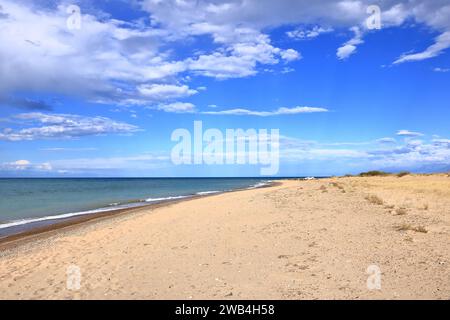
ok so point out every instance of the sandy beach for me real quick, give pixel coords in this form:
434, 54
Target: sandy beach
297, 240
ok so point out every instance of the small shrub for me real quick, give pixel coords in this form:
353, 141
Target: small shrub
373, 173
407, 227
337, 185
420, 229
400, 212
403, 173
373, 199
425, 206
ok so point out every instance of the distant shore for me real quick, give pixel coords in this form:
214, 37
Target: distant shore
295, 240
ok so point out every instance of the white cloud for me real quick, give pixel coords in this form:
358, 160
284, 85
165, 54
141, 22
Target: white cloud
442, 42
177, 107
280, 111
345, 51
290, 55
438, 69
113, 61
349, 48
240, 57
443, 142
44, 167
300, 34
220, 20
222, 66
386, 140
158, 92
413, 155
417, 156
186, 107
287, 70
407, 133
145, 161
19, 164
63, 126
43, 55
25, 165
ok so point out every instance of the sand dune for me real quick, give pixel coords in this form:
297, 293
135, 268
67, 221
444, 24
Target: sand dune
299, 240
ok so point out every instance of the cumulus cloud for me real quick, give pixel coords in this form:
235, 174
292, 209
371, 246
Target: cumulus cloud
105, 61
221, 19
114, 61
241, 56
290, 55
109, 60
63, 126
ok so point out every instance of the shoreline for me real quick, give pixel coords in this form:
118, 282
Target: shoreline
300, 239
35, 233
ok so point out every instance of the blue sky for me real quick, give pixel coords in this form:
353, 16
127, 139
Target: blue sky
102, 97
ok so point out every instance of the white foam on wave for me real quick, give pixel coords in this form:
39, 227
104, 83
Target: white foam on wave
259, 185
58, 217
165, 199
202, 193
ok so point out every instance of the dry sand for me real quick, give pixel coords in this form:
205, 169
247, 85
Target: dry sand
299, 240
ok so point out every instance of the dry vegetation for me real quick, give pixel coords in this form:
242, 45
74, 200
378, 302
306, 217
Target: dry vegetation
408, 227
373, 199
373, 173
403, 173
379, 173
400, 211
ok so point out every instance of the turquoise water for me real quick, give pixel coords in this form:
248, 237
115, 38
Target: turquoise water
26, 203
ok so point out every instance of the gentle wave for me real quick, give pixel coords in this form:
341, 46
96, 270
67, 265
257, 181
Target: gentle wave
259, 185
202, 193
61, 216
166, 198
